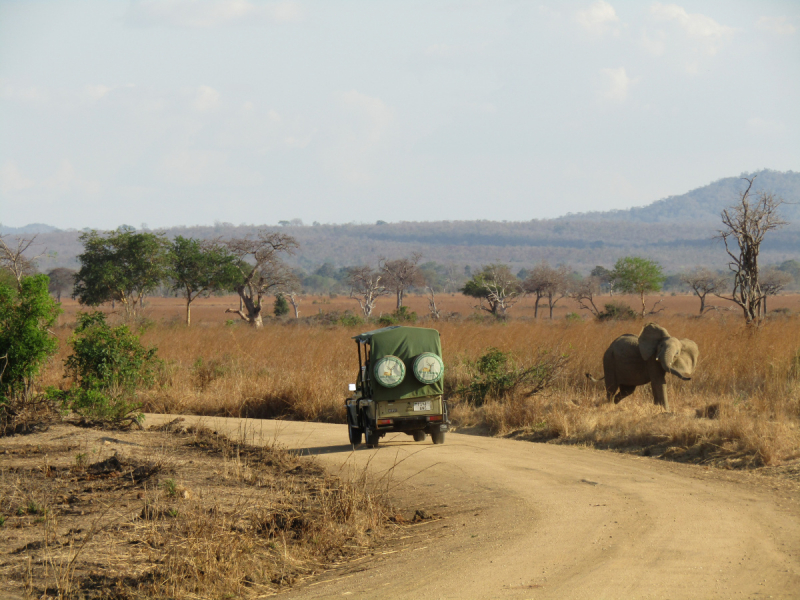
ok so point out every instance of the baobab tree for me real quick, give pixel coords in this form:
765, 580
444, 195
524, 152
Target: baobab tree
262, 272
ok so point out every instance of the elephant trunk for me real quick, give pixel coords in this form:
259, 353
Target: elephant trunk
677, 374
670, 350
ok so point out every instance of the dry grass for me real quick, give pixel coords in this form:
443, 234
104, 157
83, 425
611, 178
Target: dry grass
749, 379
184, 515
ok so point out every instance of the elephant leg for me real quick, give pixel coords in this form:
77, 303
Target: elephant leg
659, 388
624, 392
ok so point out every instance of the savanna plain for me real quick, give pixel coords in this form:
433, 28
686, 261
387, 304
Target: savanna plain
185, 510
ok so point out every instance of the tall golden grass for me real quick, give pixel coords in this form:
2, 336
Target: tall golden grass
749, 377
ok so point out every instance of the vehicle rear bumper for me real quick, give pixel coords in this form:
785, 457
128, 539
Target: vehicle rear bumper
420, 423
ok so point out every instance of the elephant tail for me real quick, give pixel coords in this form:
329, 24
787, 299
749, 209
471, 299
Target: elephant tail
589, 376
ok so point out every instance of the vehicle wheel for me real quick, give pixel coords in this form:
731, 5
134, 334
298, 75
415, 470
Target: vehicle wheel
355, 434
371, 438
419, 436
437, 437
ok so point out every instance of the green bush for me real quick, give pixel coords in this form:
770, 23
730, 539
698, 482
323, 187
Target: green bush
25, 343
349, 319
281, 306
107, 364
573, 317
617, 311
496, 374
401, 315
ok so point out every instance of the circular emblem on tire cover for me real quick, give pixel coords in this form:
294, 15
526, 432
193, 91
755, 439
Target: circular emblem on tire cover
428, 368
390, 371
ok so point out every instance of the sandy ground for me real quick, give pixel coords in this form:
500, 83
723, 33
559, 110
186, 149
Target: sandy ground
525, 520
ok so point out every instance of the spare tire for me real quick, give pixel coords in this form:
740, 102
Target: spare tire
428, 368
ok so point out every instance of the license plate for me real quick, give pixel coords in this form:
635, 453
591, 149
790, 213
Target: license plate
424, 405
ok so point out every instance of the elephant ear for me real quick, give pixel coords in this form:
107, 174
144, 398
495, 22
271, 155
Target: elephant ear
649, 338
686, 361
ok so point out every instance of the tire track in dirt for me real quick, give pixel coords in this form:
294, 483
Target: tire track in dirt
525, 520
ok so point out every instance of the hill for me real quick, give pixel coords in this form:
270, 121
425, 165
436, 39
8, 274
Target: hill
705, 204
677, 232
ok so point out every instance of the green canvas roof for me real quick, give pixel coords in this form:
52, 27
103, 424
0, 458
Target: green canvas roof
406, 343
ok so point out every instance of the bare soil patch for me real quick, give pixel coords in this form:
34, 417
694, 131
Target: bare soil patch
174, 512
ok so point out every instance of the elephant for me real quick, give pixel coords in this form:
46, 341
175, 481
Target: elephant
633, 360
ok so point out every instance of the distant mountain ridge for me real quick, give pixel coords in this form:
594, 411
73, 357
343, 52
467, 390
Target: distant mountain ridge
705, 204
677, 231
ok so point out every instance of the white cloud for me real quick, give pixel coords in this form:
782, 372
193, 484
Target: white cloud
696, 26
203, 14
12, 179
778, 25
767, 127
66, 179
615, 84
25, 94
96, 92
597, 17
204, 167
376, 114
206, 99
655, 44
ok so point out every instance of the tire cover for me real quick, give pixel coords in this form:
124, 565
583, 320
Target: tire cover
390, 371
428, 368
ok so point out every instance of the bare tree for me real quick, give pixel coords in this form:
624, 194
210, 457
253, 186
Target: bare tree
584, 293
401, 274
262, 272
549, 283
773, 281
453, 278
12, 257
746, 223
436, 312
366, 287
295, 298
704, 282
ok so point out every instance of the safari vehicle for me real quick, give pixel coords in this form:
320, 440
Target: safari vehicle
399, 386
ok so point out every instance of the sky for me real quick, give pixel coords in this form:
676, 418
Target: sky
157, 113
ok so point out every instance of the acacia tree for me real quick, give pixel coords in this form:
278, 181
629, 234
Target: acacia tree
401, 274
261, 271
745, 224
62, 281
637, 275
121, 266
773, 281
584, 293
495, 285
13, 259
703, 282
197, 268
366, 286
547, 282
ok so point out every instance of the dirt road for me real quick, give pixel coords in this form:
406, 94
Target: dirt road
524, 520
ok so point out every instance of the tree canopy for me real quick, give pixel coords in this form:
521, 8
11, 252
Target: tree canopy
637, 275
120, 266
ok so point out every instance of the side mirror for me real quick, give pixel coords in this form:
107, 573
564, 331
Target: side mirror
352, 387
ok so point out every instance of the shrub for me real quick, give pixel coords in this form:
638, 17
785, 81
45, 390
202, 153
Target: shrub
25, 343
573, 317
496, 374
617, 311
281, 306
349, 319
107, 365
401, 315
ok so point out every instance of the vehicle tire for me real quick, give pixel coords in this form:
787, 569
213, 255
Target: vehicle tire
355, 434
419, 436
437, 437
371, 438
